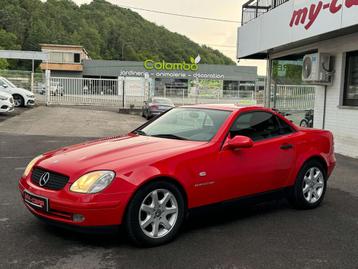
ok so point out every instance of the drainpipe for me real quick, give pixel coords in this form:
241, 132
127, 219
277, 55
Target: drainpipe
267, 94
324, 107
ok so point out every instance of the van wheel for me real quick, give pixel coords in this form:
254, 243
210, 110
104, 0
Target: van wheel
155, 214
18, 100
310, 187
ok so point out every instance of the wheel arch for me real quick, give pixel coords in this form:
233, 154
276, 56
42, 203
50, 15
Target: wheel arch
24, 98
315, 157
320, 159
157, 178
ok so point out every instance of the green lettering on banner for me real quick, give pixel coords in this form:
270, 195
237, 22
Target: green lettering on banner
163, 65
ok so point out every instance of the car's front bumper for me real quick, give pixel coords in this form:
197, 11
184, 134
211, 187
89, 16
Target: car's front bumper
6, 107
30, 102
63, 206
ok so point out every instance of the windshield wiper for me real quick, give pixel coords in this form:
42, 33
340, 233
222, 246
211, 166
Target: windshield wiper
139, 132
170, 136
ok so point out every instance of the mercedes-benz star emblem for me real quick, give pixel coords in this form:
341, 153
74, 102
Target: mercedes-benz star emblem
44, 179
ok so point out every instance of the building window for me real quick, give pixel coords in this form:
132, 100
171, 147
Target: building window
351, 80
77, 58
55, 57
231, 88
67, 57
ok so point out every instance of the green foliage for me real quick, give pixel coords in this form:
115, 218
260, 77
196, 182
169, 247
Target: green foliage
105, 30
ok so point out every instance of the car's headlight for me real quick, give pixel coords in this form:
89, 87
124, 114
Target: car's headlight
3, 98
31, 165
93, 182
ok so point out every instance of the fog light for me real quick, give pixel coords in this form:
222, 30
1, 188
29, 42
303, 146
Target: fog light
78, 218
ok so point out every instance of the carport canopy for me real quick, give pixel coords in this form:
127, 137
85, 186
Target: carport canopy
24, 55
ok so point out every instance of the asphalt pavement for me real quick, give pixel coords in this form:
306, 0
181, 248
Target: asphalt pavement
265, 235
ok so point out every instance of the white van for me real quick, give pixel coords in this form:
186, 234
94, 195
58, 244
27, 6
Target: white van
21, 96
6, 102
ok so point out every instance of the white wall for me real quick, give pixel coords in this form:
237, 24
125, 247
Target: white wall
343, 122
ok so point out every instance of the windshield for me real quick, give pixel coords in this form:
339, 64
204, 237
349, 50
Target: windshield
194, 124
9, 83
162, 101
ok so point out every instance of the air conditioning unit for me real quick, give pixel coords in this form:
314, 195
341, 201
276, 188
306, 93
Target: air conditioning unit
317, 69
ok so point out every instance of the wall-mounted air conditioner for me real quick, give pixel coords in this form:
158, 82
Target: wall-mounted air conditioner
317, 69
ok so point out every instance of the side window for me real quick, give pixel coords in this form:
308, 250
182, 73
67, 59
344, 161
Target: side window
284, 127
257, 125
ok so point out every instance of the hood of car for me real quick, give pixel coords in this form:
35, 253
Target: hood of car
113, 154
20, 91
24, 91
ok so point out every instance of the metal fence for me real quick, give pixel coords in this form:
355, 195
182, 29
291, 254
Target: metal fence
293, 97
129, 93
202, 96
132, 92
255, 8
122, 93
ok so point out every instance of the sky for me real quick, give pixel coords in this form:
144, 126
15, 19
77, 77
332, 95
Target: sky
218, 35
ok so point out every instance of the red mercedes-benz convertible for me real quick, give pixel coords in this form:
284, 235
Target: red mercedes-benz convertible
188, 157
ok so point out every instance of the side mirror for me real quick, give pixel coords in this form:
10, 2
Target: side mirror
5, 86
239, 141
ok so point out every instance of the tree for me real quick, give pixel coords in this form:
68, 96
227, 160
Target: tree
102, 28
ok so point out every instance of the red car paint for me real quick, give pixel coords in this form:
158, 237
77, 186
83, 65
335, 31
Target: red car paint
208, 172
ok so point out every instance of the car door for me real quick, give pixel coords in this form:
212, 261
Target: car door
265, 166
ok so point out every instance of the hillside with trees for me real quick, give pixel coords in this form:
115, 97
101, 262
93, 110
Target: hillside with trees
102, 28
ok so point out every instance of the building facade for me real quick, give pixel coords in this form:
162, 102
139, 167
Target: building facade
289, 31
166, 79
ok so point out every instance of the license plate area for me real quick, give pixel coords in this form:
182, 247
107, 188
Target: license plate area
36, 202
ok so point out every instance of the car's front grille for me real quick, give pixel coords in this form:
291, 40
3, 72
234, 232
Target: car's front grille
48, 179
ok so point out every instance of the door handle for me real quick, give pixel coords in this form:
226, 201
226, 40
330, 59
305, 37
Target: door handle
286, 146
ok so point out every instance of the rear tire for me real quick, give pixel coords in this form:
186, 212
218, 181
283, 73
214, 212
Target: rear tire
310, 187
304, 123
155, 214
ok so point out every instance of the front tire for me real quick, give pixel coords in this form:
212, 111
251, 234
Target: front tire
155, 214
310, 187
18, 100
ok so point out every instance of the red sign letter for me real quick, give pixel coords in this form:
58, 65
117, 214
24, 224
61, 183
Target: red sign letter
299, 16
333, 7
314, 11
350, 3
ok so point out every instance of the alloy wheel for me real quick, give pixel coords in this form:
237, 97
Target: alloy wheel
158, 213
17, 101
313, 185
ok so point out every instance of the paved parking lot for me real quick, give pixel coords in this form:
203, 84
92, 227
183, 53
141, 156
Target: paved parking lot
266, 235
68, 121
